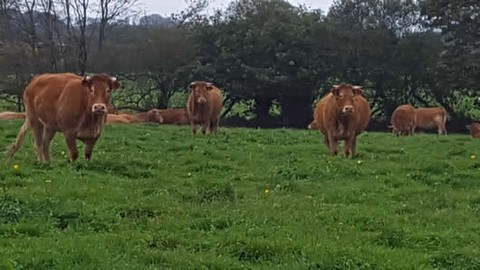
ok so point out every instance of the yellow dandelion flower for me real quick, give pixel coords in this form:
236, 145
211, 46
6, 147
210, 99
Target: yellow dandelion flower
473, 157
267, 190
16, 167
48, 181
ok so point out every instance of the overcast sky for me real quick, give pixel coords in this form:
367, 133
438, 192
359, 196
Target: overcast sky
166, 7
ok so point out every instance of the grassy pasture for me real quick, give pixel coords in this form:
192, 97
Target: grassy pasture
155, 198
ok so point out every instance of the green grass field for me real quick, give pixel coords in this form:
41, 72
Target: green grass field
155, 198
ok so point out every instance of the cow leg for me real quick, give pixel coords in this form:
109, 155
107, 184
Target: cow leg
37, 130
89, 144
194, 128
214, 125
47, 139
205, 127
71, 140
350, 144
332, 144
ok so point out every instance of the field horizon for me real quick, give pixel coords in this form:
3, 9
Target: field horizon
155, 197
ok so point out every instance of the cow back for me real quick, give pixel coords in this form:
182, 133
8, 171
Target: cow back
177, 116
429, 117
12, 115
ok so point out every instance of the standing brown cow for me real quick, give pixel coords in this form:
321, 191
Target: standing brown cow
67, 103
12, 115
177, 116
403, 120
342, 115
474, 130
204, 106
427, 118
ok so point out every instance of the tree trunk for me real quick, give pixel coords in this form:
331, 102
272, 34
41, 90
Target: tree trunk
296, 112
262, 107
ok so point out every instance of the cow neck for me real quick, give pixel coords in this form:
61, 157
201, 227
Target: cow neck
96, 121
343, 122
199, 108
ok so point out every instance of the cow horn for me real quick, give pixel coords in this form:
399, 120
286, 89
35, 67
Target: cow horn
88, 78
357, 87
335, 86
114, 79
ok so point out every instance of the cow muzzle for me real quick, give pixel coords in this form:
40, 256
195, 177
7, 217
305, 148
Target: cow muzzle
99, 108
347, 109
201, 100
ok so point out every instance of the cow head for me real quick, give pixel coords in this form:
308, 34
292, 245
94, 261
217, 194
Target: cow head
100, 87
199, 90
345, 97
155, 116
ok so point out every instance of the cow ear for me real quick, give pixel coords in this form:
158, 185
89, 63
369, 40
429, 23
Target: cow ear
87, 81
209, 86
335, 90
114, 84
357, 90
191, 86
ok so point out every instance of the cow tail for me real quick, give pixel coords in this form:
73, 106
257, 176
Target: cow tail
447, 115
19, 140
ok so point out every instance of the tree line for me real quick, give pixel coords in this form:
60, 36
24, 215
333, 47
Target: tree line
272, 59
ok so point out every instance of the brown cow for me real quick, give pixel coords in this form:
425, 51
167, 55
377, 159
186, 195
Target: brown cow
67, 103
12, 115
342, 115
474, 130
177, 116
204, 106
152, 115
403, 120
427, 118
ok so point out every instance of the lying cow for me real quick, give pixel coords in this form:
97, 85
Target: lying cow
474, 130
176, 116
64, 102
342, 115
427, 118
152, 116
12, 115
204, 106
403, 120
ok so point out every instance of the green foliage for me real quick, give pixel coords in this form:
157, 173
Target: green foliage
154, 197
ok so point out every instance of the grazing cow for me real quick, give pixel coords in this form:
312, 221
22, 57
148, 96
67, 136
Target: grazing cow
152, 115
177, 116
403, 120
12, 115
427, 118
64, 102
204, 106
474, 129
342, 115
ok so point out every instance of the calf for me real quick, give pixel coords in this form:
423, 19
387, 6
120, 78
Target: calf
474, 130
64, 102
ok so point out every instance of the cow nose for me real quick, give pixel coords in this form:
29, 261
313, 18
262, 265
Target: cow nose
348, 109
202, 100
99, 108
